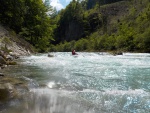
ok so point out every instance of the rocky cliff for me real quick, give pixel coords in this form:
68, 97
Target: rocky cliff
10, 42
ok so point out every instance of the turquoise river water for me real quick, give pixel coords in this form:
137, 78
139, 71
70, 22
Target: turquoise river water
86, 83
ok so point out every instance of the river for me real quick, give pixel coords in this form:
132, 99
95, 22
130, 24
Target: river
86, 83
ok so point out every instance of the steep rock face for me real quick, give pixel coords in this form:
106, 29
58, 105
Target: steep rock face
103, 19
10, 42
91, 3
113, 14
118, 9
74, 31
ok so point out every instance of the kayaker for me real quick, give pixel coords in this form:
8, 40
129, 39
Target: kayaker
74, 52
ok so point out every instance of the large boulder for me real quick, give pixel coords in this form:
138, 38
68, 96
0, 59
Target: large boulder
1, 74
7, 60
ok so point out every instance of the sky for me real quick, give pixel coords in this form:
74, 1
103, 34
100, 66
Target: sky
59, 4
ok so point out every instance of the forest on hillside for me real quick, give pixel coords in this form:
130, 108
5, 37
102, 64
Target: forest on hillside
89, 25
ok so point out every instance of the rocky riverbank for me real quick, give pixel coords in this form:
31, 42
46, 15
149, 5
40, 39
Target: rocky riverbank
11, 48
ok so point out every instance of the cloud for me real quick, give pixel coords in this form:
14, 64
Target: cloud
68, 1
56, 4
59, 4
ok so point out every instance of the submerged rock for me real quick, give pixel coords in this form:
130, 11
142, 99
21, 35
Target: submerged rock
50, 55
4, 93
11, 88
7, 92
116, 53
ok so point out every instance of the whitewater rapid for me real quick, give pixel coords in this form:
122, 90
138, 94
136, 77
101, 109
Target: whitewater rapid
86, 83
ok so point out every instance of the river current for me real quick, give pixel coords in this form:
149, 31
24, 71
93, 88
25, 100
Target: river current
85, 83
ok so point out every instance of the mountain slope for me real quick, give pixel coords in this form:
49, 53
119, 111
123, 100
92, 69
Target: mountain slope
121, 26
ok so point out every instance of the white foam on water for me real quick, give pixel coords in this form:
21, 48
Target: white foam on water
127, 92
54, 101
138, 92
97, 76
51, 84
137, 54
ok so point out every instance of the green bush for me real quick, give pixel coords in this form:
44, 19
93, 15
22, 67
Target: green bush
143, 41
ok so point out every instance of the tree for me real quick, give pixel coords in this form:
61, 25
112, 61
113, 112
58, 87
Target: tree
28, 18
12, 13
37, 23
70, 25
